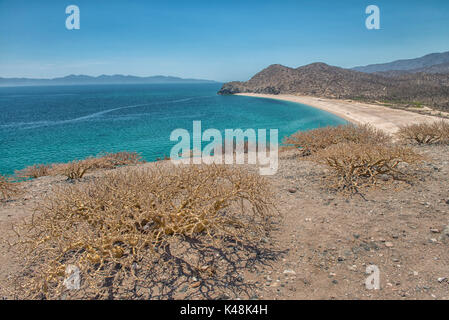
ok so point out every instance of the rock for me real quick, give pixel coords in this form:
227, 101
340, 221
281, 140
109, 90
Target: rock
440, 280
388, 244
434, 230
352, 268
184, 289
447, 201
288, 271
195, 284
292, 190
384, 177
445, 234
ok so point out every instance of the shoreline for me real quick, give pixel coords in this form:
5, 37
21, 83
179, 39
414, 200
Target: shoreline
383, 118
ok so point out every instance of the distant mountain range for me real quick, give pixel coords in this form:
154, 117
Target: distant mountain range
103, 79
438, 61
322, 80
438, 68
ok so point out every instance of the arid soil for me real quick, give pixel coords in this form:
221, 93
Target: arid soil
323, 240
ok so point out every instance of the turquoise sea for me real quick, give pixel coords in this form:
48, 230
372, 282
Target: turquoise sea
62, 123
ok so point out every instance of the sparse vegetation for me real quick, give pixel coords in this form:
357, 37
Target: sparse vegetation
74, 169
360, 165
426, 133
34, 171
118, 159
309, 142
78, 168
8, 189
119, 229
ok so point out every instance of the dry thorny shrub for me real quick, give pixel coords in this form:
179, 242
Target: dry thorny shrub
309, 142
426, 133
77, 168
361, 165
133, 232
34, 171
8, 189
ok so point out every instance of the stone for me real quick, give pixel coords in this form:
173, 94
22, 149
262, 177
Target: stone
388, 244
292, 190
445, 234
434, 230
440, 280
184, 289
288, 271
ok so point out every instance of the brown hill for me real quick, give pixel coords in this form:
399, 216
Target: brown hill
439, 68
322, 80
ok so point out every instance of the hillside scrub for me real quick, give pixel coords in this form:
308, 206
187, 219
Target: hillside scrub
309, 142
426, 133
119, 230
34, 171
78, 168
8, 189
354, 166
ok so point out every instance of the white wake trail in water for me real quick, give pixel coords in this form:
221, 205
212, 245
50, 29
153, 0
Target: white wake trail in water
38, 124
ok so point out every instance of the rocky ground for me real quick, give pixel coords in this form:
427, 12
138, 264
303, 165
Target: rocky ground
325, 240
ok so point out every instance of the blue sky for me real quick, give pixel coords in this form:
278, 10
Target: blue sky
220, 40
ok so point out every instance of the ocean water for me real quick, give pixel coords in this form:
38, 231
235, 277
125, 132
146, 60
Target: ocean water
62, 123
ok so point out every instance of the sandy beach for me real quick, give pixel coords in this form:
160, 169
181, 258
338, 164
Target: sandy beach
384, 118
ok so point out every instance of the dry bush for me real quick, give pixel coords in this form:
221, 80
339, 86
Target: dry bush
164, 158
78, 168
8, 189
118, 159
34, 171
359, 165
117, 229
74, 169
426, 133
309, 142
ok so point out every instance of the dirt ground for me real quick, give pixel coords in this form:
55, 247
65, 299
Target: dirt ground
324, 240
